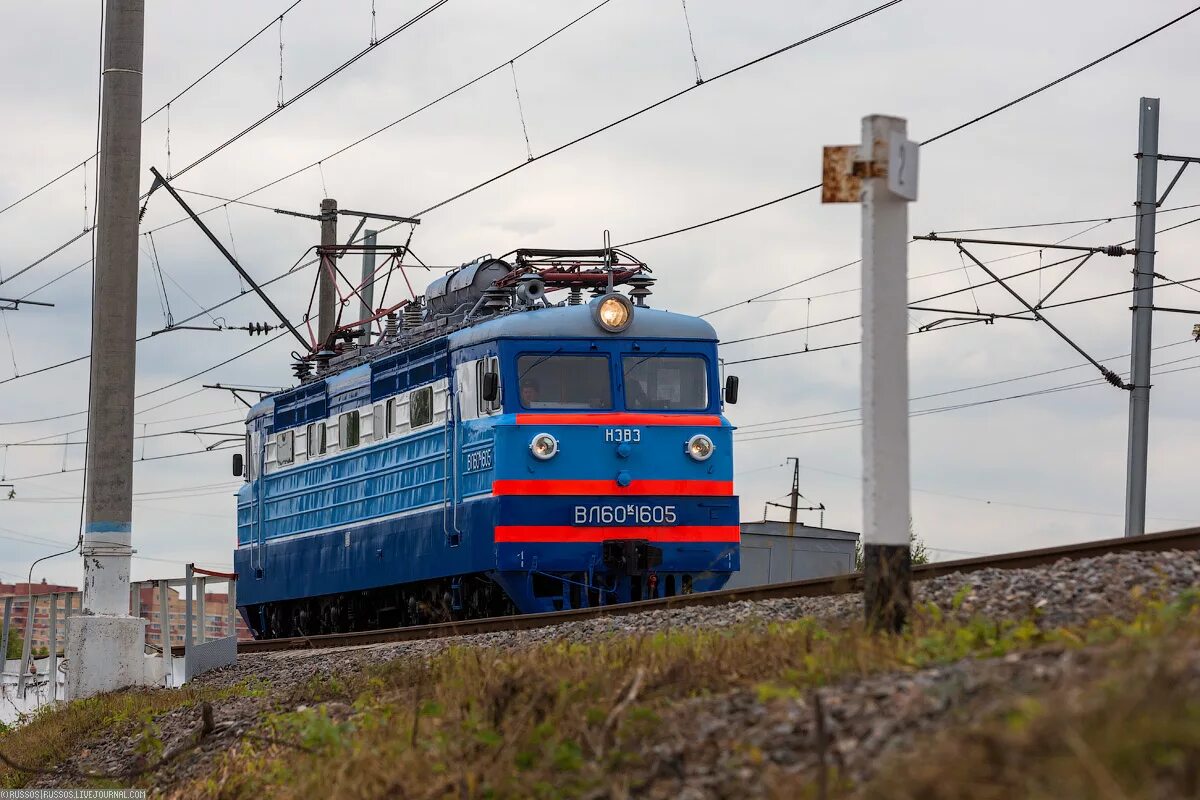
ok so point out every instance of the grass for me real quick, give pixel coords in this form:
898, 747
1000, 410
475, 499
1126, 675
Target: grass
1131, 733
569, 720
56, 732
575, 720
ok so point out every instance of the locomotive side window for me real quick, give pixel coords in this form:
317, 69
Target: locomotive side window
665, 383
348, 430
560, 381
420, 407
390, 414
316, 439
377, 423
285, 447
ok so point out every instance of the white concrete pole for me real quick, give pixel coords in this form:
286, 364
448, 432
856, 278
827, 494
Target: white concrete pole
106, 543
106, 644
886, 561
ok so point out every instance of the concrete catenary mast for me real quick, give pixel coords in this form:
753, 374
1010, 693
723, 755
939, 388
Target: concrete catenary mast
106, 644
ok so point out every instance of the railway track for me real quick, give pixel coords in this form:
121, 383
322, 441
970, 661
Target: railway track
1187, 539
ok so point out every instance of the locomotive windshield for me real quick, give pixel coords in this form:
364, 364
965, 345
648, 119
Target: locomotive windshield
560, 381
665, 383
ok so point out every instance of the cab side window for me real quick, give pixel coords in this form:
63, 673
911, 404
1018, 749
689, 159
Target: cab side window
390, 414
285, 447
377, 431
348, 430
484, 366
420, 407
316, 439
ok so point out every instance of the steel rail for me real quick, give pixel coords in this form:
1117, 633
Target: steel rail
1185, 539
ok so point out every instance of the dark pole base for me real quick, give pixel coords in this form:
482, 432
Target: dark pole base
887, 586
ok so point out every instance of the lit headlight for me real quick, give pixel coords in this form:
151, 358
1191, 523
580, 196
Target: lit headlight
613, 312
544, 446
700, 447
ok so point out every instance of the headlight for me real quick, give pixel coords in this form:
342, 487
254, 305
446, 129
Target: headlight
544, 446
613, 312
700, 447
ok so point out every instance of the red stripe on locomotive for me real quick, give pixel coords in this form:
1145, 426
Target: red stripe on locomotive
703, 488
620, 418
566, 534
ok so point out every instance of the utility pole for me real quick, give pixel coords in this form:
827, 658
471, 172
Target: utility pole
882, 171
327, 281
1143, 316
106, 644
367, 293
795, 495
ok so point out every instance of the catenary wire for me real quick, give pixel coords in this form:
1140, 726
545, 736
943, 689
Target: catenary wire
279, 108
931, 140
731, 71
744, 65
157, 111
1056, 370
761, 297
946, 327
240, 199
758, 436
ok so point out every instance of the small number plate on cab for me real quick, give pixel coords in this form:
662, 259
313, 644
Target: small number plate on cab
622, 434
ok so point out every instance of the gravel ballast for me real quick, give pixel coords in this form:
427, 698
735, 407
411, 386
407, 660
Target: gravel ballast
863, 717
1064, 593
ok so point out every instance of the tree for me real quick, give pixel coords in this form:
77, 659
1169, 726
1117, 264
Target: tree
14, 645
918, 552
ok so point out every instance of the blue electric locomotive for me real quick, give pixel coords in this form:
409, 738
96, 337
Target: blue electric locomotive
493, 453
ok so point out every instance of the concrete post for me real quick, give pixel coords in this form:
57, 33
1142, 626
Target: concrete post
52, 670
326, 281
1143, 317
187, 610
106, 642
368, 285
27, 645
201, 611
164, 627
8, 604
887, 589
231, 609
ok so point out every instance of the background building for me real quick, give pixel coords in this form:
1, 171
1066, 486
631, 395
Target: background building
769, 555
41, 611
216, 616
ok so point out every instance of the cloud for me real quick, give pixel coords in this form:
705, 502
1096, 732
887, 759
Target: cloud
725, 146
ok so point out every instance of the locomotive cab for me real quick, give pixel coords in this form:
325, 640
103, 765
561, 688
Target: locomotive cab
606, 455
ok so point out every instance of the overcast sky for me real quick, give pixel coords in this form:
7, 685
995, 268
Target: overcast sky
1041, 470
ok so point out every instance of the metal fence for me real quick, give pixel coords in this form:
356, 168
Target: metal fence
63, 603
200, 652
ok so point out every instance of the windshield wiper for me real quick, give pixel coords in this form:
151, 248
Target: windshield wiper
643, 360
526, 371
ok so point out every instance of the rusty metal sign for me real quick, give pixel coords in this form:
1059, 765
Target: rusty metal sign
839, 184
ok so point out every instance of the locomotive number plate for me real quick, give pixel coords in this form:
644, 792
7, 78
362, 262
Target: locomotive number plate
625, 514
622, 434
479, 460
